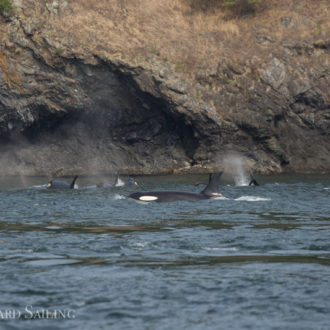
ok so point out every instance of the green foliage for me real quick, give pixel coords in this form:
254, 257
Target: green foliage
6, 6
318, 30
229, 3
59, 50
155, 52
181, 67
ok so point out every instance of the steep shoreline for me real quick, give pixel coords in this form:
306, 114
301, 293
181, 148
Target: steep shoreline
70, 108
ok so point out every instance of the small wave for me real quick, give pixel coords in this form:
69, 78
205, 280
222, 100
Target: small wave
79, 303
39, 186
252, 199
140, 245
233, 249
220, 198
90, 186
51, 262
117, 196
53, 227
327, 188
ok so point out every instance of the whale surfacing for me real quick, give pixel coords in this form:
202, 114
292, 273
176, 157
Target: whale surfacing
210, 192
60, 184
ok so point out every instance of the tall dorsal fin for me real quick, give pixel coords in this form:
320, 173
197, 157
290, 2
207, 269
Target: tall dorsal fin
116, 180
213, 186
73, 182
253, 181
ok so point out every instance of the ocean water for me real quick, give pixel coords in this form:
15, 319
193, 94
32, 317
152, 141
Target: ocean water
90, 258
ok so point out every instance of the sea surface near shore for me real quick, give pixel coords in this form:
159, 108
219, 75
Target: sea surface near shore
93, 258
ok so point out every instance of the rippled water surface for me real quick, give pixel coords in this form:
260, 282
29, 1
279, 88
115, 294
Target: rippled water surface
260, 260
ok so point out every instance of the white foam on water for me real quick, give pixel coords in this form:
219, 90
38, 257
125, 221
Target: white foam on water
40, 186
51, 262
222, 198
53, 227
252, 199
117, 197
140, 245
91, 186
233, 249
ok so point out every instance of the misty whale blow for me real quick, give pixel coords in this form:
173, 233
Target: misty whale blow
210, 192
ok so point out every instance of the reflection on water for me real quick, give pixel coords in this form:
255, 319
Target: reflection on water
78, 229
257, 260
160, 263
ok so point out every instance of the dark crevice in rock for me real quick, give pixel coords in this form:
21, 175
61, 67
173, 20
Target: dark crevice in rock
110, 120
91, 112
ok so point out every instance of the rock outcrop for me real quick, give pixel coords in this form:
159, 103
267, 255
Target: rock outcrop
84, 112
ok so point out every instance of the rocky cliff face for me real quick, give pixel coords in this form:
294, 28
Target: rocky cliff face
85, 111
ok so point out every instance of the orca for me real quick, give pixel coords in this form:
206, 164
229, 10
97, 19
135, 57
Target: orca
60, 184
211, 191
253, 181
130, 182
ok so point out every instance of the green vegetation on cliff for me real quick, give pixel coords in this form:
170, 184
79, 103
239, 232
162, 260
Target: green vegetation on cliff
242, 7
6, 6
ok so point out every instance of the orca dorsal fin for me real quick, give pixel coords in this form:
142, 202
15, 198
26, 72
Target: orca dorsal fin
116, 181
212, 188
253, 181
73, 182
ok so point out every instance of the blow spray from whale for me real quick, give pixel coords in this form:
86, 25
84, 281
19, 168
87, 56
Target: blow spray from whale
237, 167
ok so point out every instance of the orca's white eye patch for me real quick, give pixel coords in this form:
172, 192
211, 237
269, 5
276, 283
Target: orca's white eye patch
148, 198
